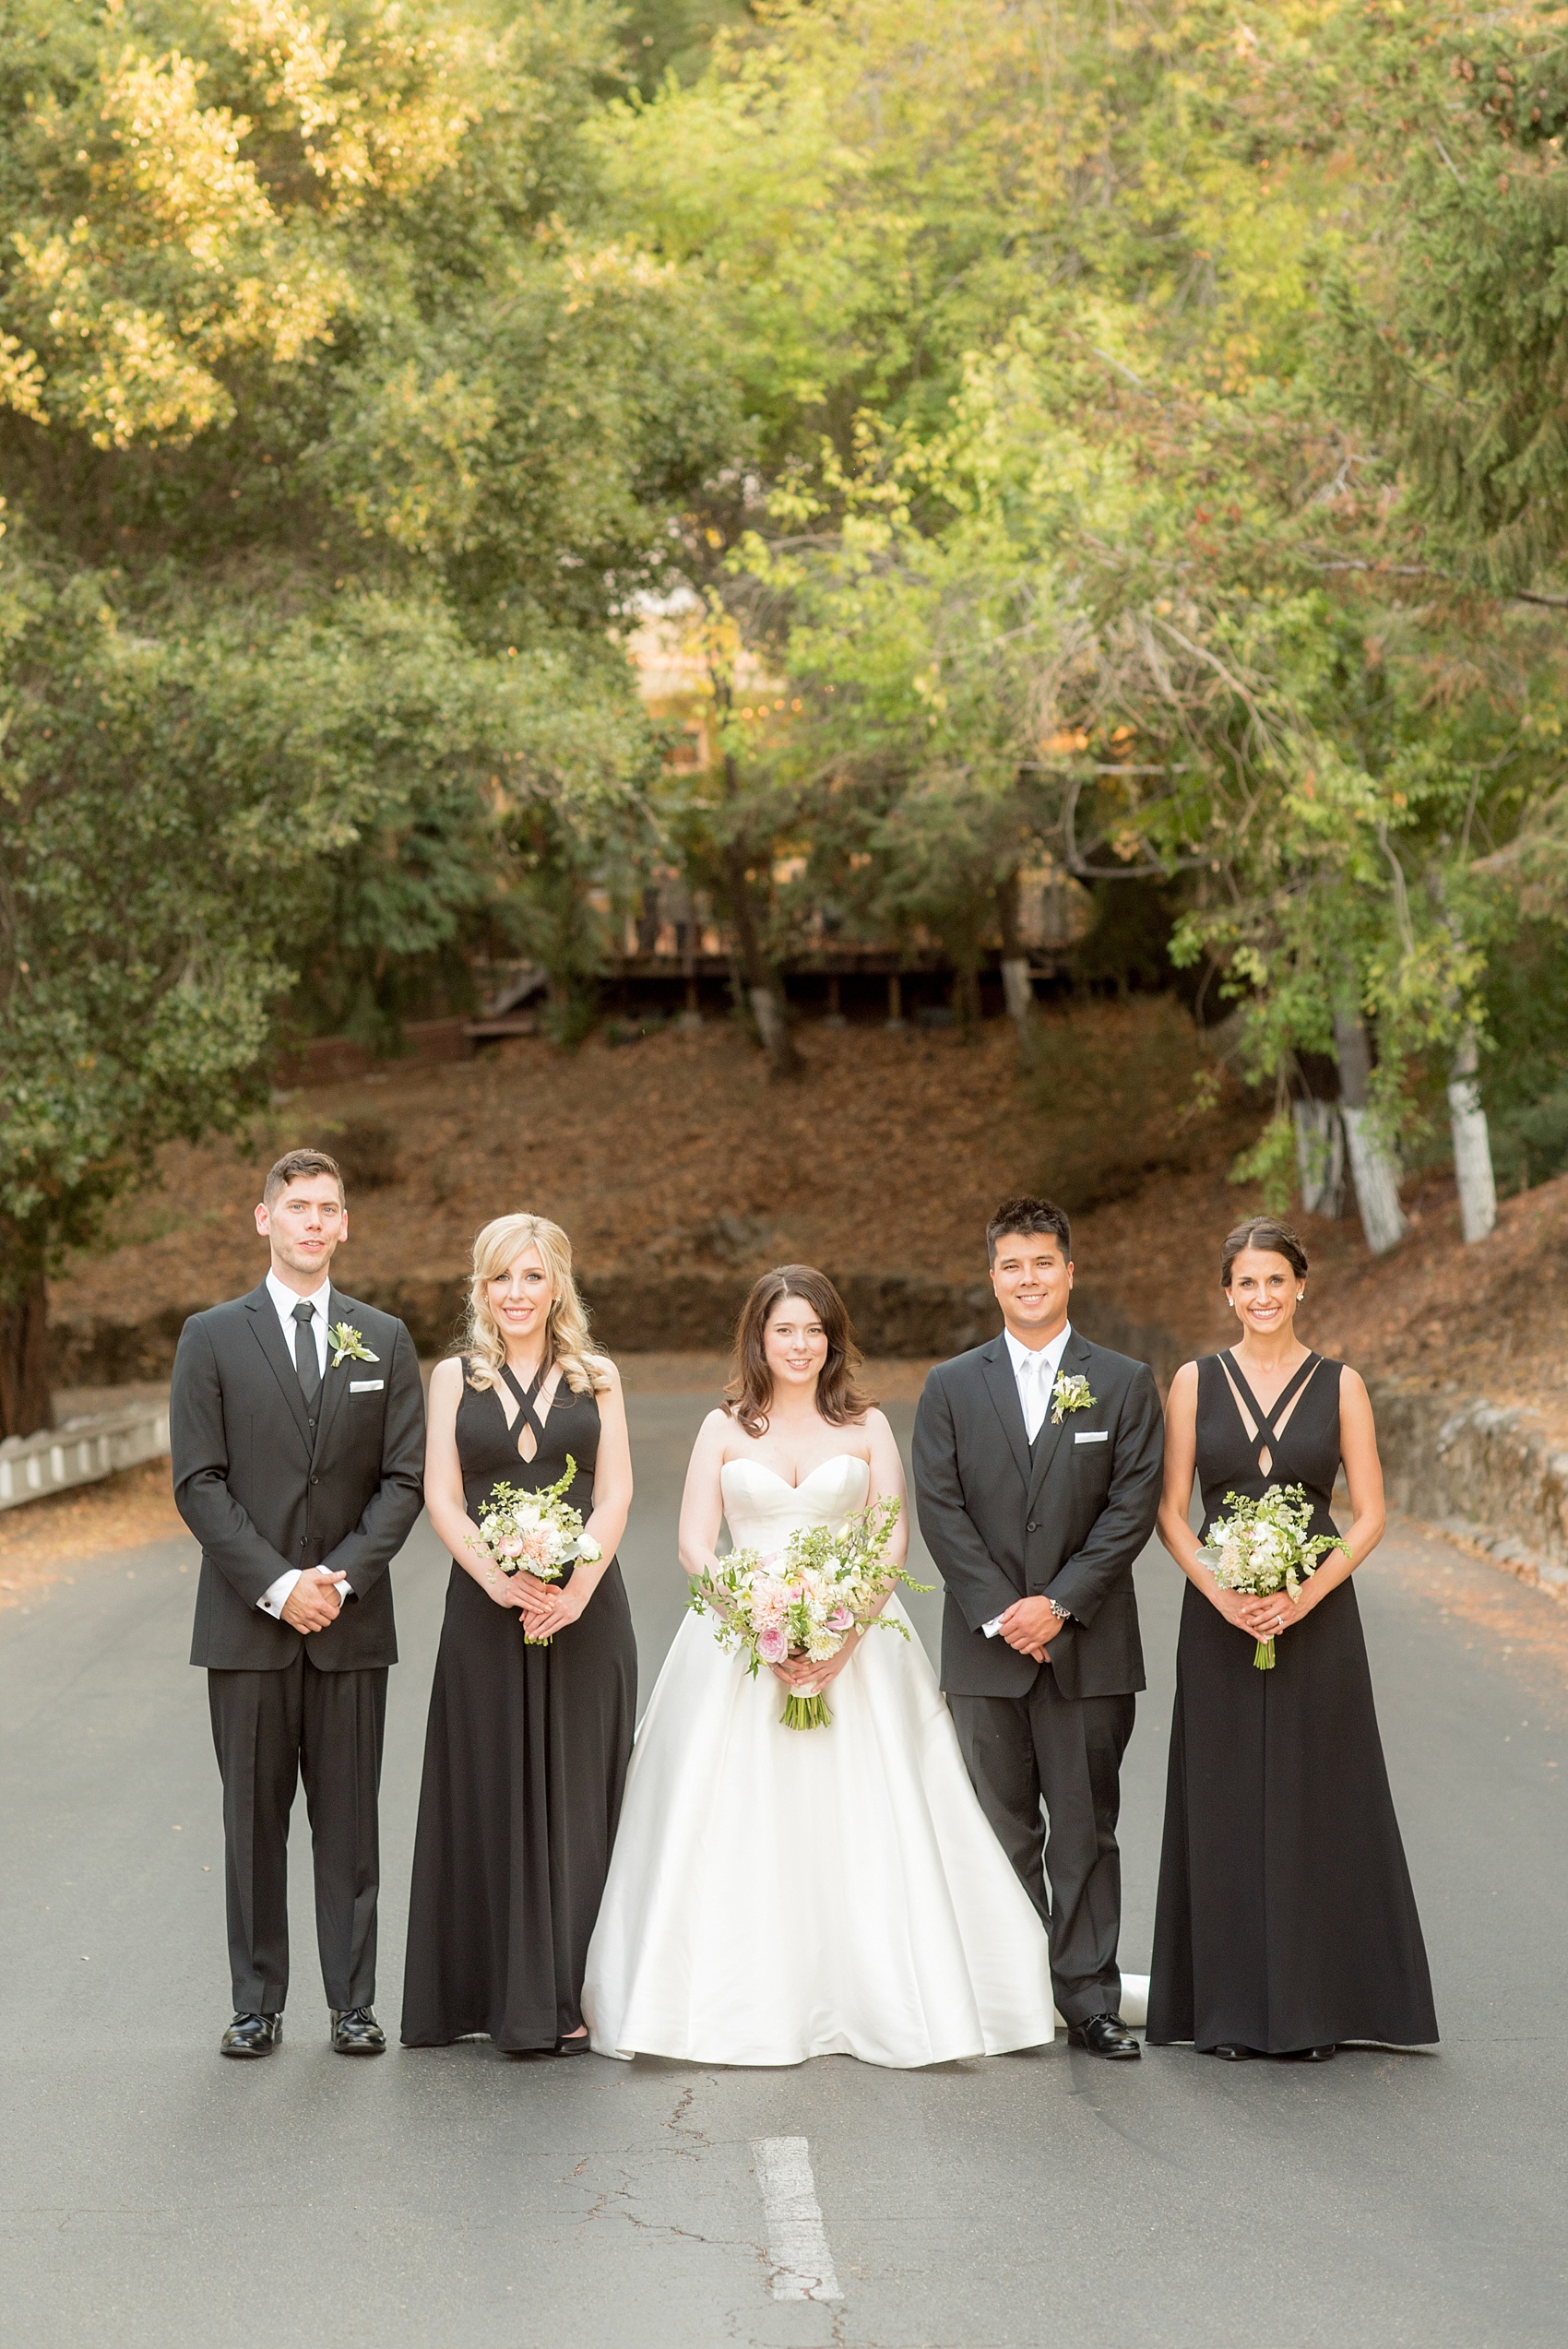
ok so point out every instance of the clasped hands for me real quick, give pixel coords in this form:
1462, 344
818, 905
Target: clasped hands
1030, 1625
545, 1607
314, 1602
807, 1676
1260, 1618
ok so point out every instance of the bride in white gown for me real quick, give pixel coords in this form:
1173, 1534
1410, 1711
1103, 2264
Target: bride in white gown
774, 1893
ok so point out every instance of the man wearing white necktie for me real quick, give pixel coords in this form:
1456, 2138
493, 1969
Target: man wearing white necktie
1038, 1463
1035, 1368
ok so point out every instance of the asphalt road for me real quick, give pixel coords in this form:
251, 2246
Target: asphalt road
152, 2194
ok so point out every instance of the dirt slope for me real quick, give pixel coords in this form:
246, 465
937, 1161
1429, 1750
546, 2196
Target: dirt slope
679, 1155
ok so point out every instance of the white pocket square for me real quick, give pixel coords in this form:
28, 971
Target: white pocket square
366, 1387
1101, 1435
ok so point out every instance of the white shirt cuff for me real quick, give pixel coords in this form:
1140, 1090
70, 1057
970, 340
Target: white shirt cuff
992, 1629
274, 1596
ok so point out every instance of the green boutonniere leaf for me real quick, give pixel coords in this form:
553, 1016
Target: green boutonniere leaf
348, 1341
1069, 1394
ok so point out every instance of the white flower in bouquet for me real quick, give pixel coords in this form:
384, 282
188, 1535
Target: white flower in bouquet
1265, 1545
806, 1599
535, 1532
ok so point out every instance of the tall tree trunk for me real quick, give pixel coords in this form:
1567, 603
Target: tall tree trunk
763, 990
1472, 1142
1320, 1156
1017, 980
25, 1401
1372, 1163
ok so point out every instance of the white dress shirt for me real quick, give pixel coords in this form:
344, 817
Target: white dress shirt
284, 1302
1035, 1369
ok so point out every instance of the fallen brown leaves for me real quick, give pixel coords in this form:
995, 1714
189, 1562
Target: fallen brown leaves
41, 1541
1523, 1625
886, 1156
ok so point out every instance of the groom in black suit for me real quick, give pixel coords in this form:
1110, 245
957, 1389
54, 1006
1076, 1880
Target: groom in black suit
297, 1427
1038, 1463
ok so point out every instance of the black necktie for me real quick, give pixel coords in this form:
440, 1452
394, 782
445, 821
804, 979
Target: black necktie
306, 1360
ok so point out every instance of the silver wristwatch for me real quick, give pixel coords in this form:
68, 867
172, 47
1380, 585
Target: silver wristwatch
1063, 1614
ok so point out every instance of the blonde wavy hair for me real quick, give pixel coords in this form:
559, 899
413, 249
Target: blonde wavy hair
566, 1330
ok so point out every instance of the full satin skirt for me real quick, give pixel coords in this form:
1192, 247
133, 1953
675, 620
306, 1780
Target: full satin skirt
777, 1895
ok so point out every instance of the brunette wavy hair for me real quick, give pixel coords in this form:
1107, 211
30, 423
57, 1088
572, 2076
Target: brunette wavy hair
750, 1392
566, 1331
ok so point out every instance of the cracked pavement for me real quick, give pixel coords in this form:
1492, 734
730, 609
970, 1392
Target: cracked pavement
451, 2199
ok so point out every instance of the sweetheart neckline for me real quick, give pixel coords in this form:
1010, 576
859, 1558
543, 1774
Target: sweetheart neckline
832, 1458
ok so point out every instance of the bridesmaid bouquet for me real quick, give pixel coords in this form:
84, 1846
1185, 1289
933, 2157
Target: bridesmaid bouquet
534, 1533
1264, 1547
805, 1599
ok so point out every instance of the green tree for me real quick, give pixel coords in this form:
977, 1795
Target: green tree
333, 435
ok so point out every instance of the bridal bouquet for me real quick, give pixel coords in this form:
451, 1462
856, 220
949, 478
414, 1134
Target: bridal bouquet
534, 1533
1264, 1546
804, 1599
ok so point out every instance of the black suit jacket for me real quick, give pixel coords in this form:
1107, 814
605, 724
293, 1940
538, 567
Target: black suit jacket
260, 1498
1065, 1524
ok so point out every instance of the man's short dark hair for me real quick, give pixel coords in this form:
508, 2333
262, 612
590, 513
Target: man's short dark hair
298, 1166
1028, 1219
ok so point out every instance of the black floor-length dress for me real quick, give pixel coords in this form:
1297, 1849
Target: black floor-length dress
525, 1762
1285, 1917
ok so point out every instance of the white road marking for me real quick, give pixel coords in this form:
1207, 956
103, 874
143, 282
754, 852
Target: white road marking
797, 2247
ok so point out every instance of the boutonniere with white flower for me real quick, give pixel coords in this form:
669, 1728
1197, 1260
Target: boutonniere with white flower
346, 1340
1069, 1394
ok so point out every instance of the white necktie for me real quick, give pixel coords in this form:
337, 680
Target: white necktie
1037, 1394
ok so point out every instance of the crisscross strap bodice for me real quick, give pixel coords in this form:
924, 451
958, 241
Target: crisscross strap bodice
1267, 1424
566, 1429
526, 1399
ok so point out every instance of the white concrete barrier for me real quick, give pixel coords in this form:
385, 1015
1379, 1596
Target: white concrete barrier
81, 1452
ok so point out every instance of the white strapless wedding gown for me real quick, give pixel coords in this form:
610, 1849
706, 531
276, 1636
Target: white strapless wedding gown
777, 1893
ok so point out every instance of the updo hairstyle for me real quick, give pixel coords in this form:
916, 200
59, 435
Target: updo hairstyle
1268, 1233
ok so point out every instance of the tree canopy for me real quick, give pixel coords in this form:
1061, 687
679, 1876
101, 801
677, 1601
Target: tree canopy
1127, 441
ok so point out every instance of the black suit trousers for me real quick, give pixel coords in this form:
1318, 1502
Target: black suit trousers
1067, 1751
271, 1730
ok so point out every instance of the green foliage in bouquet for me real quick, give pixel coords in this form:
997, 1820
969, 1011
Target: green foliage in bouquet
1264, 1545
806, 1599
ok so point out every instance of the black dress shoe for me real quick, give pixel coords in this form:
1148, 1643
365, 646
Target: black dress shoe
1309, 2054
251, 2035
577, 2044
1231, 2051
355, 2032
1104, 2034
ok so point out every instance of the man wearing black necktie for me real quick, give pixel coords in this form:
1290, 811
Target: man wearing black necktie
297, 1428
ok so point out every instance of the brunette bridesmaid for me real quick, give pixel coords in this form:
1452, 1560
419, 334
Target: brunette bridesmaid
526, 1747
1285, 1924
